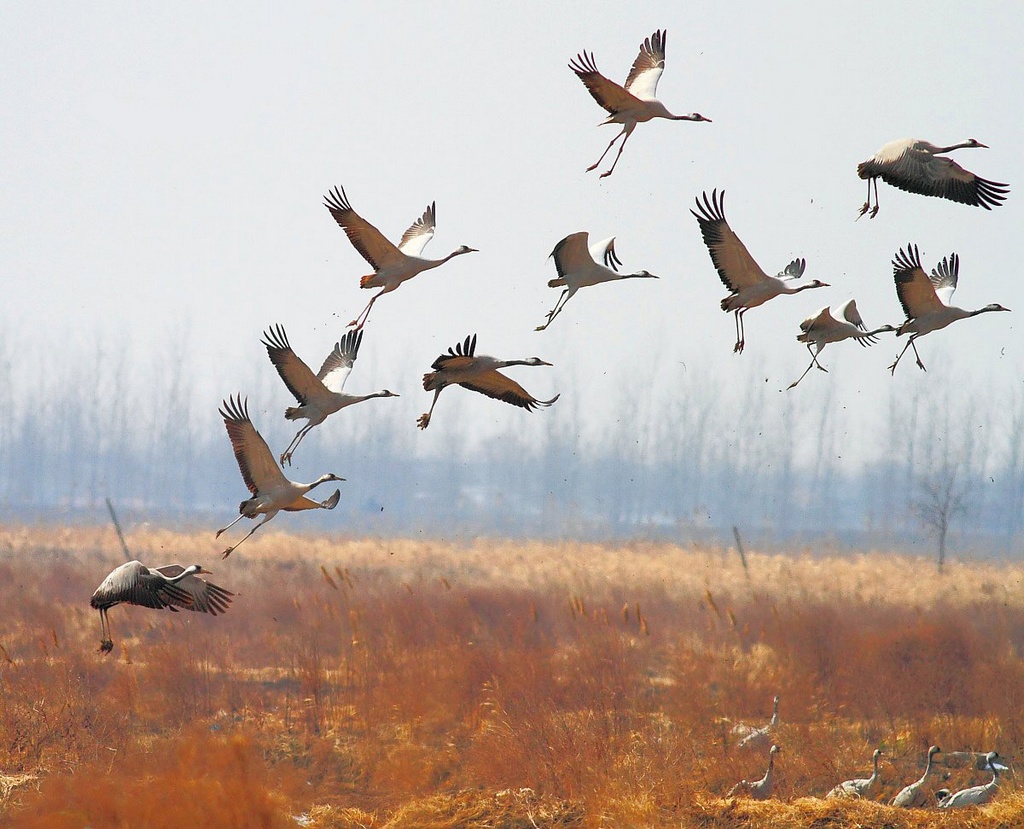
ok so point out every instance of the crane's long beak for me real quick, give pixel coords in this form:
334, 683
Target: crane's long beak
203, 571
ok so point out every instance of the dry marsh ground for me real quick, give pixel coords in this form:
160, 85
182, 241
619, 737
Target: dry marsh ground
497, 684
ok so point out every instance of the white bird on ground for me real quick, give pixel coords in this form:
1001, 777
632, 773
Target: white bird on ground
478, 372
913, 796
754, 736
976, 795
823, 327
634, 103
860, 786
171, 586
578, 267
760, 789
749, 286
271, 490
925, 299
319, 395
391, 265
918, 167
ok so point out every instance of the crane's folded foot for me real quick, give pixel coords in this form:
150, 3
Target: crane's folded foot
874, 211
738, 348
227, 552
864, 208
920, 365
286, 459
822, 368
605, 174
423, 421
892, 369
540, 327
106, 646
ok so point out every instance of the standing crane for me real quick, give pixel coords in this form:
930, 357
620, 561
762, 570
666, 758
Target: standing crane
925, 299
462, 366
749, 286
919, 167
976, 795
635, 102
913, 796
171, 586
822, 328
753, 736
391, 265
319, 395
271, 490
759, 789
861, 786
577, 266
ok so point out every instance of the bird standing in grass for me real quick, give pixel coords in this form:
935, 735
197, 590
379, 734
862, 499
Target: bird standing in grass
976, 795
635, 102
577, 268
913, 796
171, 586
760, 789
755, 737
749, 286
392, 265
271, 490
919, 167
860, 786
823, 327
925, 299
319, 395
462, 366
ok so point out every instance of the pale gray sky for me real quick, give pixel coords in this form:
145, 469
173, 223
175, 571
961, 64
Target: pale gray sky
163, 169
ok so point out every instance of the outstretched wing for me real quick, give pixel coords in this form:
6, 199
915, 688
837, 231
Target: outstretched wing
132, 583
258, 466
913, 287
607, 93
736, 267
848, 311
419, 233
496, 385
918, 171
604, 251
647, 68
297, 376
944, 278
365, 238
461, 352
338, 365
572, 254
204, 596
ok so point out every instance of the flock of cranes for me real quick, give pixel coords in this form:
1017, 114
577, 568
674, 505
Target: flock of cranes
911, 165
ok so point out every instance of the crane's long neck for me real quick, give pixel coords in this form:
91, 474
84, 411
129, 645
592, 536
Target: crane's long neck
188, 571
962, 145
435, 263
874, 770
789, 290
690, 116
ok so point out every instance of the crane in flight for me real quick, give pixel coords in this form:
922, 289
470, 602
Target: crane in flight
319, 395
748, 285
579, 266
271, 490
635, 102
823, 327
925, 299
462, 366
392, 265
171, 586
919, 167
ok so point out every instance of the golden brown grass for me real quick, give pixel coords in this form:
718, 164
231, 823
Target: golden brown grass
499, 684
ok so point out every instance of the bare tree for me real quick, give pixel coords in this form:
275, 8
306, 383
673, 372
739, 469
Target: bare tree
942, 497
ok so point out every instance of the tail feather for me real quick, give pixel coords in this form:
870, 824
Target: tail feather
428, 380
365, 281
292, 413
556, 283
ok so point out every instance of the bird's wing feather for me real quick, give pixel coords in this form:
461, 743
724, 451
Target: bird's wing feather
459, 352
419, 233
794, 270
338, 365
913, 287
604, 251
607, 93
917, 171
572, 253
643, 77
944, 278
297, 376
256, 463
203, 596
496, 385
822, 319
365, 238
736, 267
848, 311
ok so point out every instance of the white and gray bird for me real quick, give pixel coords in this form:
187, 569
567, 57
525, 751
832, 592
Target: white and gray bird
919, 167
749, 286
976, 795
925, 299
754, 736
635, 102
392, 265
579, 265
914, 796
171, 586
860, 786
271, 490
824, 327
759, 789
319, 395
462, 366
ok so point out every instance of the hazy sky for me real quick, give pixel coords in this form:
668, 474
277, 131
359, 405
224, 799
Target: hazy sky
164, 165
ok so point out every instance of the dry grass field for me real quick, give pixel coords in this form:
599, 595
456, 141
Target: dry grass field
496, 684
